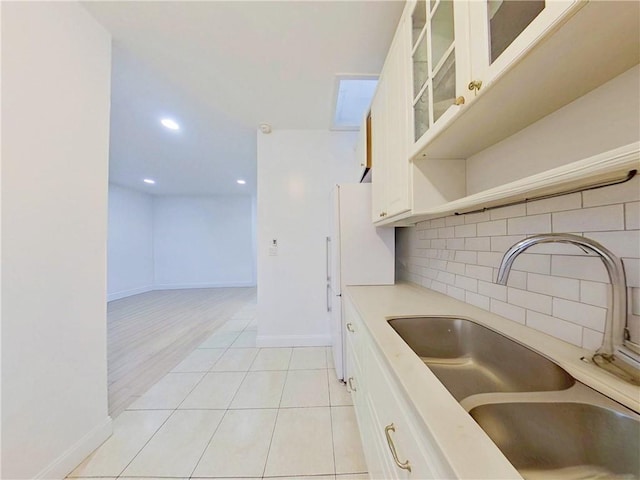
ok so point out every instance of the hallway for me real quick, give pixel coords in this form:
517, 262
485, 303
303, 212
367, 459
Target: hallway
231, 410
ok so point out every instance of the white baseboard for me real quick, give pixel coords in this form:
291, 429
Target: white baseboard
178, 286
293, 341
75, 454
128, 293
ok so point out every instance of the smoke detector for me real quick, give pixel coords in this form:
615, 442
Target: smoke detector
265, 128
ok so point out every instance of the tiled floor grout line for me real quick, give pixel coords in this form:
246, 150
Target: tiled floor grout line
173, 411
303, 361
146, 443
275, 423
230, 401
204, 450
333, 443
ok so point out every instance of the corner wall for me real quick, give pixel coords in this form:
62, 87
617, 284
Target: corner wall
129, 243
170, 242
56, 64
297, 170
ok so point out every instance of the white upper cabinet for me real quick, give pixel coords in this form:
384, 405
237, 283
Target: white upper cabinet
460, 47
517, 61
502, 31
463, 75
363, 147
379, 155
398, 200
439, 61
390, 132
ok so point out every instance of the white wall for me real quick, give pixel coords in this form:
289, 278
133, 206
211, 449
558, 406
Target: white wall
601, 120
296, 172
55, 126
164, 242
203, 242
130, 243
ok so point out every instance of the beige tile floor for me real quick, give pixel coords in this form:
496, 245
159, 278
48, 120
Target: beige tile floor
231, 410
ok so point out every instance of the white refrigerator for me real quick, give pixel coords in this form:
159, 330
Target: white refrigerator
357, 254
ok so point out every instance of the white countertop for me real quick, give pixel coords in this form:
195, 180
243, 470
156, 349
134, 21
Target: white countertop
467, 448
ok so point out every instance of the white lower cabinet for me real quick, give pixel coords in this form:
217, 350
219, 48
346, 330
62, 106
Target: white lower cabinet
396, 442
401, 453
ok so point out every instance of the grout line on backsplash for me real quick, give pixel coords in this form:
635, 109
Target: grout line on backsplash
423, 256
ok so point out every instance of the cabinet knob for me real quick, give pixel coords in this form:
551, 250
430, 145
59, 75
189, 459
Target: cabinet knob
383, 214
350, 327
475, 85
459, 101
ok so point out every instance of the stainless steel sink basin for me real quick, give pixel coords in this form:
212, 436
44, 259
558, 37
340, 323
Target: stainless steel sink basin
470, 359
564, 440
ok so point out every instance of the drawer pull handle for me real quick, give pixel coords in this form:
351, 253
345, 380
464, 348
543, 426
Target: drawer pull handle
351, 387
350, 327
404, 465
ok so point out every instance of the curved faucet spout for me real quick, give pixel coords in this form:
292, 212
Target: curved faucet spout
615, 329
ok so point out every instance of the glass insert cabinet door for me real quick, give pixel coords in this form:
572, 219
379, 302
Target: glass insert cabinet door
501, 31
507, 20
459, 47
434, 62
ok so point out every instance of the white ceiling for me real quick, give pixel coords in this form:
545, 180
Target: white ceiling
220, 69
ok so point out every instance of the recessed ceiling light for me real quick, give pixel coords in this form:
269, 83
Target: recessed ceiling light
241, 182
149, 181
170, 124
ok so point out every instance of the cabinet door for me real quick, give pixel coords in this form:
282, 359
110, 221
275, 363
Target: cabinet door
397, 66
503, 31
379, 150
440, 63
361, 150
394, 427
363, 147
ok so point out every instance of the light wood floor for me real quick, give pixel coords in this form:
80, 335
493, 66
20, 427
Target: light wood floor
150, 333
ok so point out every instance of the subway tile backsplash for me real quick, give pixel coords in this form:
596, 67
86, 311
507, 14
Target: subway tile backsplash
554, 288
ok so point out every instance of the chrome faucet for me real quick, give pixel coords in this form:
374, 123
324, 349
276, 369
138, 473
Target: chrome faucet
616, 332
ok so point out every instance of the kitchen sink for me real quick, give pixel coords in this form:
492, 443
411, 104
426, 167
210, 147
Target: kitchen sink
548, 425
564, 440
470, 359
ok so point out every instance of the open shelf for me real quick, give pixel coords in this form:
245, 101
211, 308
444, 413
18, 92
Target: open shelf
605, 167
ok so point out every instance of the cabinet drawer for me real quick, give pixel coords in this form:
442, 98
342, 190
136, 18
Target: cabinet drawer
392, 429
375, 451
356, 334
364, 415
397, 426
354, 378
